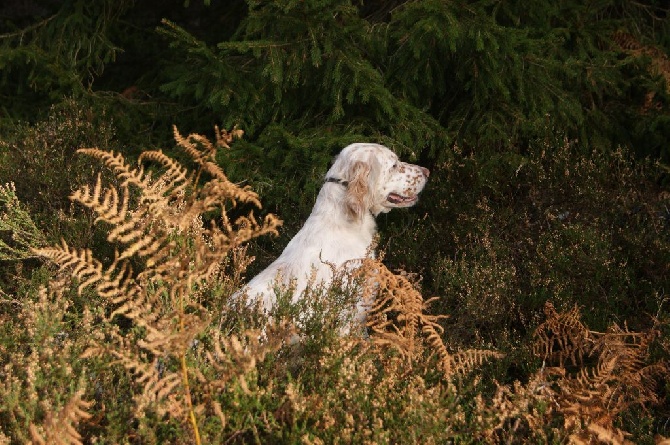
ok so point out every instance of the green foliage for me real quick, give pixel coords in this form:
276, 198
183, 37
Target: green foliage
318, 62
19, 232
429, 75
496, 74
562, 224
303, 78
41, 160
58, 55
164, 355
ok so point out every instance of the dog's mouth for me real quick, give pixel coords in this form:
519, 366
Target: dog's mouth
401, 200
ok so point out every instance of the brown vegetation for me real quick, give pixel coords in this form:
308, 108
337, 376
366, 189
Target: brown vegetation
224, 379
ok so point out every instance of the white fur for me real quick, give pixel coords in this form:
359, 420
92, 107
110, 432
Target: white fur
342, 225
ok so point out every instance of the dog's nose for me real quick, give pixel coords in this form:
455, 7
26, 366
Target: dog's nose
425, 171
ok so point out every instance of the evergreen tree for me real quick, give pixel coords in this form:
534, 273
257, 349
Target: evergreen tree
49, 53
477, 73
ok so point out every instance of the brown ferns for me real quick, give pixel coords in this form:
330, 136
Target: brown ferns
399, 319
157, 222
59, 428
621, 374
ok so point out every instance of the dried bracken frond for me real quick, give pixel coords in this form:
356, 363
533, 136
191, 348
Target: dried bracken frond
514, 406
471, 359
562, 336
115, 161
60, 428
160, 298
591, 398
109, 207
203, 152
399, 318
84, 266
157, 383
611, 371
392, 294
174, 179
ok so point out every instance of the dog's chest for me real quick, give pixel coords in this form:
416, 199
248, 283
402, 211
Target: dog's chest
336, 244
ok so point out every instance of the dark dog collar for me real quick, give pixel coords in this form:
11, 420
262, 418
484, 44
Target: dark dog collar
338, 181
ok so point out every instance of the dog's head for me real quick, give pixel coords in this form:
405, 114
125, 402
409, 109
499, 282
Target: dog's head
376, 181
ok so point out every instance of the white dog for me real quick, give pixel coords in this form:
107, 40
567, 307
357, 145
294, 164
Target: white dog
364, 181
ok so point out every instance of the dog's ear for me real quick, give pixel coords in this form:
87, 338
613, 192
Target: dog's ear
357, 199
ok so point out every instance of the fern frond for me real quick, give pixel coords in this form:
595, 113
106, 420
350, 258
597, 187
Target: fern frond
226, 190
594, 378
206, 157
125, 232
60, 428
398, 318
118, 281
191, 149
139, 306
175, 178
84, 266
142, 245
225, 137
157, 382
244, 229
562, 336
108, 207
114, 161
596, 395
163, 227
446, 360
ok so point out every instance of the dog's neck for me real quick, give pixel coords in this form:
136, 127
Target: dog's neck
332, 198
344, 183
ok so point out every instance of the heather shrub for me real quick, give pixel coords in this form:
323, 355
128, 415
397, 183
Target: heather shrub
40, 158
155, 350
21, 233
563, 224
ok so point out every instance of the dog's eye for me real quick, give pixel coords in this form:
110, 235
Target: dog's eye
395, 165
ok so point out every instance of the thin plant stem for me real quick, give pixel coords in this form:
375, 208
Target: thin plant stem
184, 373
